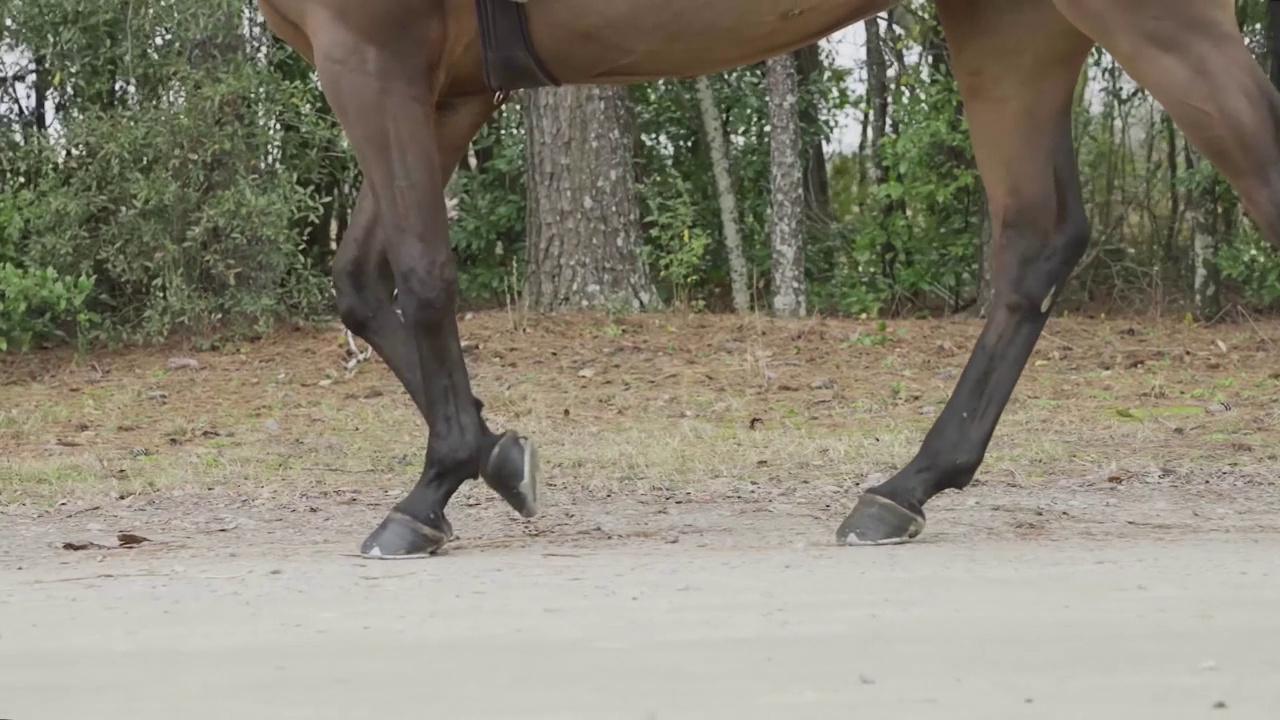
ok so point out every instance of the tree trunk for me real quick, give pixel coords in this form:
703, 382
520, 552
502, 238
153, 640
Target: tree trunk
878, 99
1202, 206
725, 195
1175, 197
583, 214
786, 188
817, 180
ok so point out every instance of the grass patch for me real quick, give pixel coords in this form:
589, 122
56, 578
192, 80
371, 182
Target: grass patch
663, 402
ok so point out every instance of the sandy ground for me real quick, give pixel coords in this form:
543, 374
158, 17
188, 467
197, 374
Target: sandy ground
716, 623
1117, 557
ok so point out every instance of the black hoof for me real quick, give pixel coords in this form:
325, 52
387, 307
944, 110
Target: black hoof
879, 521
512, 471
400, 537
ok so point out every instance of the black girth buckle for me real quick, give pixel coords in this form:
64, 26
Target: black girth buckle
509, 58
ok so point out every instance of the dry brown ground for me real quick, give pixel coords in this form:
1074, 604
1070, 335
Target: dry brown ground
709, 429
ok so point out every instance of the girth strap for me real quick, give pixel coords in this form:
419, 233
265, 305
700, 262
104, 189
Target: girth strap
510, 60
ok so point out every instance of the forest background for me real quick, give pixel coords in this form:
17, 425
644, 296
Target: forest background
169, 167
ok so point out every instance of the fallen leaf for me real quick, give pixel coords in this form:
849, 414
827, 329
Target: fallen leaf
128, 540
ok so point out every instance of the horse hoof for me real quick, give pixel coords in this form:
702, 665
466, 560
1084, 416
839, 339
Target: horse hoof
512, 471
876, 520
400, 537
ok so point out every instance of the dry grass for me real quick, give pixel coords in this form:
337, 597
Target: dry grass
643, 403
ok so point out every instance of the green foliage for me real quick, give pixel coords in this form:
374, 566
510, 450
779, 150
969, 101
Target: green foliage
159, 182
677, 244
37, 306
914, 239
1254, 266
164, 169
488, 233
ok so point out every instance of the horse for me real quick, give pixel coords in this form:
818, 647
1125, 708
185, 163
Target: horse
412, 81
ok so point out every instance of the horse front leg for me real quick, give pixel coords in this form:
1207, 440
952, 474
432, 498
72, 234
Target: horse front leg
1017, 62
381, 93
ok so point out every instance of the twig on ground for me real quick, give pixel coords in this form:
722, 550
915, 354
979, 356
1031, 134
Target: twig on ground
100, 576
104, 576
1256, 329
1061, 342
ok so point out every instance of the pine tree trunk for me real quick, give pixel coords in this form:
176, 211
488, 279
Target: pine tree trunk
786, 188
583, 213
725, 195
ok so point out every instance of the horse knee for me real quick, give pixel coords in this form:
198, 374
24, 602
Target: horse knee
357, 295
1033, 265
428, 288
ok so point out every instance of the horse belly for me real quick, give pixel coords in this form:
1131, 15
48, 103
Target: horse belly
628, 41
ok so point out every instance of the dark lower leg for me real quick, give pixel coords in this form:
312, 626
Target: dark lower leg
1029, 267
1019, 117
365, 290
954, 447
401, 155
461, 446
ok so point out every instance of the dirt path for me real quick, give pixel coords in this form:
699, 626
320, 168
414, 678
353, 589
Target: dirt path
745, 614
1117, 557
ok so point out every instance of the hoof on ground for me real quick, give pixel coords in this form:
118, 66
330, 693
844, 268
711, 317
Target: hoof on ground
400, 537
876, 520
512, 471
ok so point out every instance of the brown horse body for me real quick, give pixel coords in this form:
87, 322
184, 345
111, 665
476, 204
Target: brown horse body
404, 78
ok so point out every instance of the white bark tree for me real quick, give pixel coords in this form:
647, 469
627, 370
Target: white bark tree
725, 195
786, 188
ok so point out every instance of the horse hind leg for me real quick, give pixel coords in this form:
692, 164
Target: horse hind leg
1017, 62
406, 148
1190, 55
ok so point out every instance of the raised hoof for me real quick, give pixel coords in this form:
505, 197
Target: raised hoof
512, 471
876, 520
400, 537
